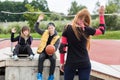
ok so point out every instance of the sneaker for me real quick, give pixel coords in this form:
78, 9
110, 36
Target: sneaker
39, 76
31, 57
51, 77
15, 57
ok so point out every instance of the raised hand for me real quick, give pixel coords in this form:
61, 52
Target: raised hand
13, 30
41, 17
101, 10
62, 67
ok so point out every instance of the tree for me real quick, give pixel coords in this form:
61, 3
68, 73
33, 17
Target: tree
41, 4
115, 2
75, 8
25, 2
55, 16
6, 6
31, 18
97, 5
16, 7
11, 6
112, 21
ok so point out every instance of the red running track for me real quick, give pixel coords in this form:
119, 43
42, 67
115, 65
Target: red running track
103, 51
106, 51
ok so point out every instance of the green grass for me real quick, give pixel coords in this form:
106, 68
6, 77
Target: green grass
35, 35
107, 35
4, 35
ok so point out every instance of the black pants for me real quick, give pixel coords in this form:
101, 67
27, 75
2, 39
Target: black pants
42, 58
22, 49
83, 72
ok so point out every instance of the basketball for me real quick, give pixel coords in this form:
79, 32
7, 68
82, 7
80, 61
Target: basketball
50, 49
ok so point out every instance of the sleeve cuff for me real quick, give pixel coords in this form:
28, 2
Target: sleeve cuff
62, 58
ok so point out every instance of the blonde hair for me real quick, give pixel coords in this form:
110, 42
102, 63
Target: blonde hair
85, 16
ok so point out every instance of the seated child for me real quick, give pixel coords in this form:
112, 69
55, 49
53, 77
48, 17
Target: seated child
24, 43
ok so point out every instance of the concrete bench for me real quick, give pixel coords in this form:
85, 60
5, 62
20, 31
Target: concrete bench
106, 72
27, 70
24, 69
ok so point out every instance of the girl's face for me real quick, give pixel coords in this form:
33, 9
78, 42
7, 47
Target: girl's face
51, 29
26, 32
80, 22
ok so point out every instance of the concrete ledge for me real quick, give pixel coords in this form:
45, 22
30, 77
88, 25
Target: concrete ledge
27, 70
103, 76
27, 63
2, 63
24, 69
105, 72
2, 77
28, 73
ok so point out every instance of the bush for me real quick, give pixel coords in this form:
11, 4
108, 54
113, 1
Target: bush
117, 26
1, 30
59, 25
43, 25
95, 23
112, 22
6, 27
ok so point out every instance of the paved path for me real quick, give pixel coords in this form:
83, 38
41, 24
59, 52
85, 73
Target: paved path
103, 51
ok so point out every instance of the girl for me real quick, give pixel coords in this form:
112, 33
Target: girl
24, 41
76, 37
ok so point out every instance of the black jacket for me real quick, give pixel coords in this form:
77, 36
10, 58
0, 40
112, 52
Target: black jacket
21, 40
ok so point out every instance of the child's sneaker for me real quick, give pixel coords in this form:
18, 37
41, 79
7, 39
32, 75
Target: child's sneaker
31, 57
51, 77
15, 57
39, 76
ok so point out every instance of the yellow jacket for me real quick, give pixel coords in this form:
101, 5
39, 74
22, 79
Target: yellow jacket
44, 40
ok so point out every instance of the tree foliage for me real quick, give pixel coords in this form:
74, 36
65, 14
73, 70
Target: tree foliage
41, 4
55, 16
16, 7
113, 21
31, 18
11, 6
75, 8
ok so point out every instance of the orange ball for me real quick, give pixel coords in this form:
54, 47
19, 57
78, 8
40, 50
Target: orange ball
50, 49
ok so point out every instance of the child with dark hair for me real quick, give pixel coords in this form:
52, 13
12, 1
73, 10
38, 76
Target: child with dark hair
49, 37
24, 43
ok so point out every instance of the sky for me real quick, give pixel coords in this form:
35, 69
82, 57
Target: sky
62, 6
